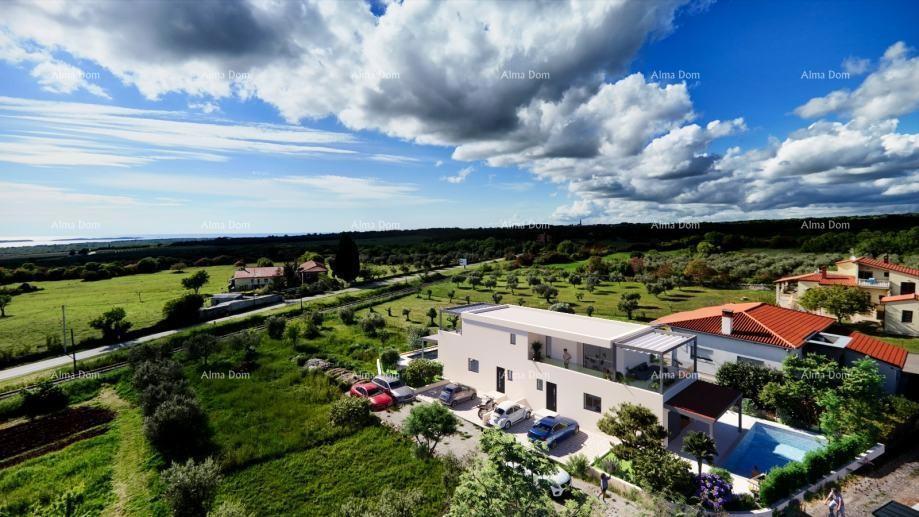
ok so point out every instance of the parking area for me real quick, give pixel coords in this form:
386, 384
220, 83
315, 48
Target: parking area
591, 444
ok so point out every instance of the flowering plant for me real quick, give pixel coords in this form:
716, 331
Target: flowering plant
713, 491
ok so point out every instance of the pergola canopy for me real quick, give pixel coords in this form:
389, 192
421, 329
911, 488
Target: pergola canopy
655, 342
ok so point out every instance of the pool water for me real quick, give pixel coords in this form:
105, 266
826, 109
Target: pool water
765, 447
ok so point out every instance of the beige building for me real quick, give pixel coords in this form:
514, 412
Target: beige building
250, 278
892, 288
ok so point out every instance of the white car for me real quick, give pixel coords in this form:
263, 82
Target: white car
559, 482
507, 414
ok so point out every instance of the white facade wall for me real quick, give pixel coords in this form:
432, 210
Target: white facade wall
893, 318
726, 350
491, 347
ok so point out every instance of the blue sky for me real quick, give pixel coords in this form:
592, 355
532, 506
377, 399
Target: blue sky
228, 117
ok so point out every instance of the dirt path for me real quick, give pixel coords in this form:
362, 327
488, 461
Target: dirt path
865, 491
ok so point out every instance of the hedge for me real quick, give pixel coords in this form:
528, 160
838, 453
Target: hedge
782, 481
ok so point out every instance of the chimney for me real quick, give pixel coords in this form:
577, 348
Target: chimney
822, 271
727, 321
886, 259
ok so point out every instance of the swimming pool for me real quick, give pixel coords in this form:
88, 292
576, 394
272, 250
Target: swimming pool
765, 446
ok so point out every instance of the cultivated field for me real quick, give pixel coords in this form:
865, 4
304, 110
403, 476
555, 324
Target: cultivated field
32, 317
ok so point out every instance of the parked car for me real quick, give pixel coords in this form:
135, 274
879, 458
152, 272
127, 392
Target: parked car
395, 388
553, 429
379, 399
559, 481
452, 394
507, 414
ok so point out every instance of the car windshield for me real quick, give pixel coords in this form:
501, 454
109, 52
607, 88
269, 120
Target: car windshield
499, 411
394, 385
373, 390
543, 427
450, 389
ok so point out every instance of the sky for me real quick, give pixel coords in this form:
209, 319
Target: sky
268, 117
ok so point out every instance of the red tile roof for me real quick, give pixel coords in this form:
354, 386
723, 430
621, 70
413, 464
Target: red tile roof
822, 278
900, 298
883, 265
705, 399
259, 272
880, 350
311, 266
758, 322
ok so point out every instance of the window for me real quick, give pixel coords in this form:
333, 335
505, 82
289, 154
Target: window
513, 339
906, 317
548, 346
757, 362
538, 384
907, 287
591, 403
473, 365
704, 354
510, 375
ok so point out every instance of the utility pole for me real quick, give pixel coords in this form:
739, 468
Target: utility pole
73, 350
64, 328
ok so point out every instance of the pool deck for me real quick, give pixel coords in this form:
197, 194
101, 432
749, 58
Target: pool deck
726, 438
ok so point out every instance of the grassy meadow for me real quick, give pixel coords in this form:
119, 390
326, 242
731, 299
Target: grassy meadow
31, 317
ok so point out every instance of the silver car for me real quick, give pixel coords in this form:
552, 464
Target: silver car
394, 386
507, 414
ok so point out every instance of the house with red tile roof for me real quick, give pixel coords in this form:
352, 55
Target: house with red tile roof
250, 278
765, 335
892, 288
310, 271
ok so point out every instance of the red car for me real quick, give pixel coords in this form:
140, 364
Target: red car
379, 399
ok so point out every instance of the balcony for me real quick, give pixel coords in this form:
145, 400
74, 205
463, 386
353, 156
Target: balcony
872, 283
646, 378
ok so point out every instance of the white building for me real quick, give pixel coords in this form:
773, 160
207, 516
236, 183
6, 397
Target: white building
493, 350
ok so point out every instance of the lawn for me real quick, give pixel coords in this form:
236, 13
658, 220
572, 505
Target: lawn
32, 317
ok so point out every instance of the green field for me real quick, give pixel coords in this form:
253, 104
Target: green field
32, 317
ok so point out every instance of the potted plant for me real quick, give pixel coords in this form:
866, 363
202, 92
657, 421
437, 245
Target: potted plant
537, 347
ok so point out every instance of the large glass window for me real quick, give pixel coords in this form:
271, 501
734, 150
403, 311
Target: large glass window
704, 354
597, 358
474, 365
592, 403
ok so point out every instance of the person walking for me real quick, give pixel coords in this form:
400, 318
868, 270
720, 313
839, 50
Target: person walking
834, 503
566, 357
604, 485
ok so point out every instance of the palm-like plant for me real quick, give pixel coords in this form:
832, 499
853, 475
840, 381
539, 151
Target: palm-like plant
700, 446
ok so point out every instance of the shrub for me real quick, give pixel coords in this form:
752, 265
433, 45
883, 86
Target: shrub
713, 491
350, 412
177, 427
561, 307
183, 310
148, 373
191, 487
724, 474
275, 327
421, 372
46, 398
371, 324
782, 481
346, 315
389, 358
155, 394
747, 378
231, 509
578, 466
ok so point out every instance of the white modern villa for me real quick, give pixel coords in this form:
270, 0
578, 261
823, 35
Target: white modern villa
580, 366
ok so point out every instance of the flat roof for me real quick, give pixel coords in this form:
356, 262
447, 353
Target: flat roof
558, 324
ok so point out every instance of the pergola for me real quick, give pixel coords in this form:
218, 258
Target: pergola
658, 342
706, 402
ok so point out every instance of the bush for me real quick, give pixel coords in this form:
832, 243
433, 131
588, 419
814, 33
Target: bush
46, 398
182, 311
748, 379
275, 327
147, 373
422, 372
389, 358
713, 491
561, 307
346, 315
177, 428
191, 487
782, 481
350, 412
371, 324
578, 466
724, 474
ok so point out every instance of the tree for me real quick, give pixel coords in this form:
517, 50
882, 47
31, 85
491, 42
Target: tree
177, 428
432, 313
497, 297
474, 280
450, 294
429, 424
508, 481
275, 326
804, 380
512, 283
561, 307
346, 314
353, 412
422, 372
264, 262
636, 428
590, 310
389, 358
546, 291
372, 324
406, 312
5, 299
699, 271
112, 323
191, 487
196, 281
347, 259
854, 407
747, 378
592, 283
700, 446
839, 300
628, 303
292, 334
45, 398
183, 310
200, 346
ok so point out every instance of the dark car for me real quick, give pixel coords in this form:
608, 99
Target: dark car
553, 429
452, 394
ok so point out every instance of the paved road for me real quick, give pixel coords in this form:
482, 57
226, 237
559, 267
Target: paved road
56, 362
